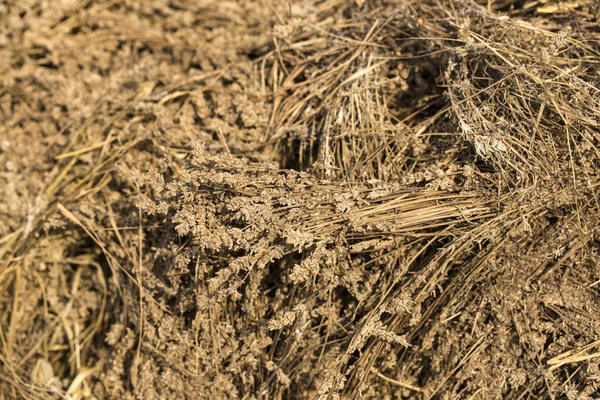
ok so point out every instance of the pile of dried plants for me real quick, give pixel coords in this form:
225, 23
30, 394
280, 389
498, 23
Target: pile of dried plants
331, 199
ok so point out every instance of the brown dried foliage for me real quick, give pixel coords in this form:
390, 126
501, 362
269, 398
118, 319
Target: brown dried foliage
234, 199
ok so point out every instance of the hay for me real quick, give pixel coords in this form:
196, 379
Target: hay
382, 199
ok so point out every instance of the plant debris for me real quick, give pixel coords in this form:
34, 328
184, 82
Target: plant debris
321, 200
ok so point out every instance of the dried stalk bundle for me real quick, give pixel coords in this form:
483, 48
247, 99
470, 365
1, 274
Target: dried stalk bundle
230, 204
239, 222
